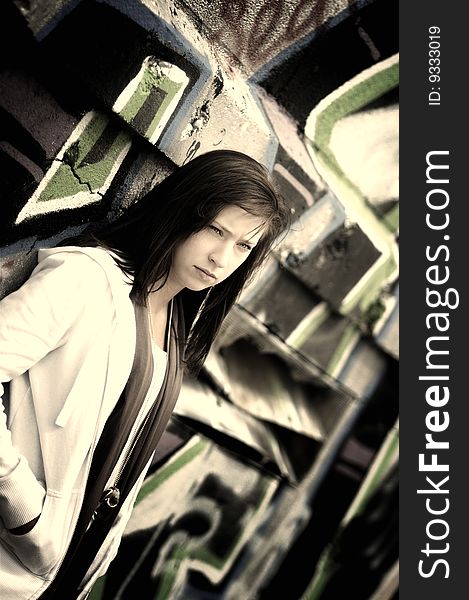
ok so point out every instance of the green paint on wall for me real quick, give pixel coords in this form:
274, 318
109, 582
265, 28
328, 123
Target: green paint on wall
351, 100
391, 218
70, 179
166, 472
347, 339
171, 88
149, 82
302, 334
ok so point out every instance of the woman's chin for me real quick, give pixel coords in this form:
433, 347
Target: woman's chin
198, 287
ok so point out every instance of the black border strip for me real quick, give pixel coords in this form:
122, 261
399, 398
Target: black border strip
432, 131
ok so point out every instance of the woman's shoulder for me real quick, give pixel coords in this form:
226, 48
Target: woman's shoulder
76, 254
90, 261
94, 265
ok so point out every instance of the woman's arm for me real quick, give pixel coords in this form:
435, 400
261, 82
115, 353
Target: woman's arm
35, 320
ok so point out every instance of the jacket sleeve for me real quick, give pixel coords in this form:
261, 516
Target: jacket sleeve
35, 320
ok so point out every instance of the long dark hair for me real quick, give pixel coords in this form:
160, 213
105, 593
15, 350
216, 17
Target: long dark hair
145, 236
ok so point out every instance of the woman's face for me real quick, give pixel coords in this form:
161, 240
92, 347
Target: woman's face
210, 256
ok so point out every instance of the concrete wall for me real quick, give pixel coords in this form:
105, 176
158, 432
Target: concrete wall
100, 100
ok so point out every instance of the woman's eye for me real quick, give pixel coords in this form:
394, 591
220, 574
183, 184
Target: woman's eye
246, 247
216, 230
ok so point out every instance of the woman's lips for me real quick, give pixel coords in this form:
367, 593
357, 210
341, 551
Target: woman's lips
204, 274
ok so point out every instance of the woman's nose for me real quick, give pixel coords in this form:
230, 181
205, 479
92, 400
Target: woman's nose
220, 256
215, 259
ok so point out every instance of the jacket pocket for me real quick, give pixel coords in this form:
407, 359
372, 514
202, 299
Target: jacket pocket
42, 548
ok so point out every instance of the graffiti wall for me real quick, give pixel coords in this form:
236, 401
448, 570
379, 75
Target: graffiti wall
269, 449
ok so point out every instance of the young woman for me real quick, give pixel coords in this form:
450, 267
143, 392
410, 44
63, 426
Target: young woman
94, 345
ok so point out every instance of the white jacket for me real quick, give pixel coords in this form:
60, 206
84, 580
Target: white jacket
67, 342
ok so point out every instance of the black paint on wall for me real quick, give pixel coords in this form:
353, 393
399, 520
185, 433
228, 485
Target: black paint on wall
335, 266
97, 50
333, 57
321, 346
293, 197
369, 546
281, 302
